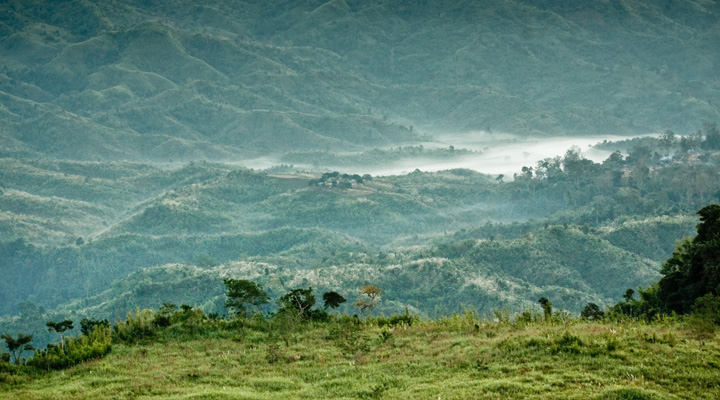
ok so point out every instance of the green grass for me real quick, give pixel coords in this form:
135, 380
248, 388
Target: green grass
454, 358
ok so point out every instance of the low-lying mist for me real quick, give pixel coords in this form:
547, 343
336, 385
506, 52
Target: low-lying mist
493, 154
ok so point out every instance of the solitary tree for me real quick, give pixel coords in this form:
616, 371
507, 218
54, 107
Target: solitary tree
18, 345
242, 293
369, 298
295, 307
60, 328
333, 300
298, 300
547, 307
592, 312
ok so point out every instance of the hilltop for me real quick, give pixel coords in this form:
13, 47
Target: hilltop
458, 357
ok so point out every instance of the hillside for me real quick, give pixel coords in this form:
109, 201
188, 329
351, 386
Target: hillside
149, 149
81, 237
458, 357
228, 80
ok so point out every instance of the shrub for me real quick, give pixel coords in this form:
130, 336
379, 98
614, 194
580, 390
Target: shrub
85, 347
567, 343
137, 327
397, 319
708, 307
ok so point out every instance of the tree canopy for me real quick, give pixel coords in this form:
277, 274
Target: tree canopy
242, 293
18, 345
298, 300
333, 300
694, 269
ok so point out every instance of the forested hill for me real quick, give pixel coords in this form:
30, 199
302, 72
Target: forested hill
219, 79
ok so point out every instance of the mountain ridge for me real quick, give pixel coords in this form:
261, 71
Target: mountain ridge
215, 75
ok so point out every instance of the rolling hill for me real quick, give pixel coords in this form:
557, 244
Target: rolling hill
222, 80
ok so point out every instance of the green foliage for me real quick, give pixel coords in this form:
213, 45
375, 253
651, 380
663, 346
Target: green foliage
300, 301
619, 228
332, 300
92, 346
242, 293
18, 345
345, 357
592, 312
630, 393
568, 343
694, 269
547, 308
394, 320
369, 298
60, 327
708, 307
138, 326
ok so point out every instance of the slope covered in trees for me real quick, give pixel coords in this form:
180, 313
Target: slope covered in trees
433, 240
187, 80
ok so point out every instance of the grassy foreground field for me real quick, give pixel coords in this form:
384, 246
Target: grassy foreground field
460, 357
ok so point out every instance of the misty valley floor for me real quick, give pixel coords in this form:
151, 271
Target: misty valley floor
453, 358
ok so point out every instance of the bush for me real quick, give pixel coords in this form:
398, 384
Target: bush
96, 344
567, 343
318, 315
397, 319
708, 307
702, 328
137, 327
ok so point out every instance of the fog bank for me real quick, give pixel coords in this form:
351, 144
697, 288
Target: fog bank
495, 154
499, 154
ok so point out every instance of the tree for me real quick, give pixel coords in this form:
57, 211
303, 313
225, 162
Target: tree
369, 298
60, 328
333, 300
694, 268
298, 300
89, 325
18, 345
668, 139
547, 307
628, 296
242, 293
592, 312
295, 307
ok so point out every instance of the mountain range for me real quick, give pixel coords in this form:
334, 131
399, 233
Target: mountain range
227, 80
